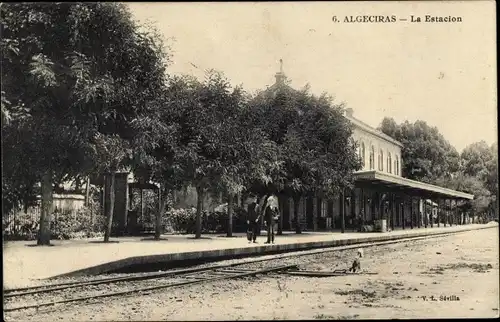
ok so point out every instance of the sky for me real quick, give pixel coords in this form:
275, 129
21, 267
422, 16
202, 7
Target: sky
441, 73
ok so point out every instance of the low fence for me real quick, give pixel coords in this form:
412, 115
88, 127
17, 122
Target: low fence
69, 215
19, 224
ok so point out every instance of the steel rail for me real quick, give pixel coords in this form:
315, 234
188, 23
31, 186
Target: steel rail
151, 288
61, 286
241, 272
326, 274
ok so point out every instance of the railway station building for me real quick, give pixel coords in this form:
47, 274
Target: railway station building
382, 198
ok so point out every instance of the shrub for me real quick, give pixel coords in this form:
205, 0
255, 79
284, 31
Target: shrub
184, 221
214, 222
82, 223
181, 220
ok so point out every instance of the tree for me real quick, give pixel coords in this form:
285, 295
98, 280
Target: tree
426, 154
247, 156
314, 141
478, 175
492, 178
475, 159
18, 180
480, 161
161, 151
216, 148
205, 114
80, 77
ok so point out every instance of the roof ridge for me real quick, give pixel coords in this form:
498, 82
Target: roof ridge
380, 133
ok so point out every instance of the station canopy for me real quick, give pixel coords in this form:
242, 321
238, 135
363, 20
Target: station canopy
391, 183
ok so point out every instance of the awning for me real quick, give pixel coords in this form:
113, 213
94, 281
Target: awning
392, 183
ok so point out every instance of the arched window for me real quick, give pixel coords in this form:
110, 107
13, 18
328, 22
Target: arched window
372, 158
389, 162
381, 160
363, 154
397, 166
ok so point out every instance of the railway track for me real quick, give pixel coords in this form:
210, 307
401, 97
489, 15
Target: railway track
65, 292
72, 292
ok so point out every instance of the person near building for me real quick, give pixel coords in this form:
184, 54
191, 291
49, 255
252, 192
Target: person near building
253, 220
271, 215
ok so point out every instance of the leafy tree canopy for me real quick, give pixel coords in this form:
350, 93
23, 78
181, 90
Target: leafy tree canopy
313, 138
426, 154
475, 159
78, 80
218, 146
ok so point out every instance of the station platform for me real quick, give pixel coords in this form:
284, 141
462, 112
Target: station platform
25, 264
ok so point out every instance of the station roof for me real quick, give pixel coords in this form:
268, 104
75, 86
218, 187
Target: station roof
365, 127
390, 182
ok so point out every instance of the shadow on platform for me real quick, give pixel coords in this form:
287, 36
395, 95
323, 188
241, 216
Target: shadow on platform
35, 245
194, 238
153, 239
103, 242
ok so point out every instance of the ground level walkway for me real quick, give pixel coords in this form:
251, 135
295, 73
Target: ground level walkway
23, 263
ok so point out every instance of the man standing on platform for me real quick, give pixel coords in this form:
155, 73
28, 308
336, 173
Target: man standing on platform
271, 214
253, 220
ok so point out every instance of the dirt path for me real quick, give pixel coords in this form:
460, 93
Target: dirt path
454, 276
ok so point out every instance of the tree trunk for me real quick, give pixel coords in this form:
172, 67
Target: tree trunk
281, 203
230, 201
87, 192
142, 206
44, 233
315, 212
110, 183
199, 204
77, 184
162, 203
296, 201
342, 211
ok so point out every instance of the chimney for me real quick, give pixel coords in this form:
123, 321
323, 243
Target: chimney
349, 112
